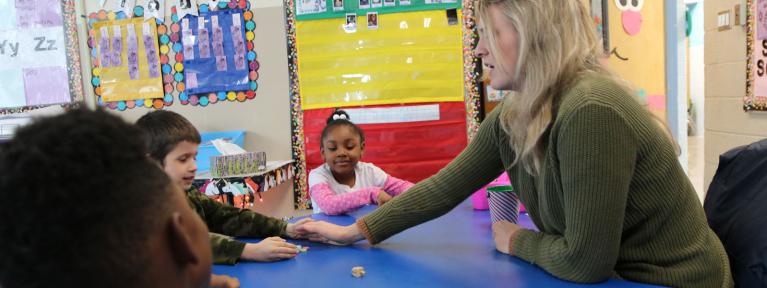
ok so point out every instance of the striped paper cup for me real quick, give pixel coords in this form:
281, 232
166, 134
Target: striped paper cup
504, 204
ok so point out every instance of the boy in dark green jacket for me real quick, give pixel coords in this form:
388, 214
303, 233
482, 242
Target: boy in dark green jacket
173, 141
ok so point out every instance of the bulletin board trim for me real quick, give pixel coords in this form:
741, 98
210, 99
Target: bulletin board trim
300, 185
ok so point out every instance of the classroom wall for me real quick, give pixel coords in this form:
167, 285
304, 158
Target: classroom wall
265, 118
727, 126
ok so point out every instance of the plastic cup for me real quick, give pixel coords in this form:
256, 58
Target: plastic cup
504, 204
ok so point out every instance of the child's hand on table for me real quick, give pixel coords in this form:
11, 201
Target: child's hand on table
504, 233
223, 281
383, 197
294, 231
268, 250
333, 234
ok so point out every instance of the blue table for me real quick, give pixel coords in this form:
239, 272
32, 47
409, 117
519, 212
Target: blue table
455, 250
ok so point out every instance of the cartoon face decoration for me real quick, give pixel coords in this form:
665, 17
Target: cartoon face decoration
637, 49
631, 16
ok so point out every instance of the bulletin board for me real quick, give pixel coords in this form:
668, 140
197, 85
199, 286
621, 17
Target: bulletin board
208, 85
39, 55
213, 60
305, 115
756, 65
220, 76
130, 62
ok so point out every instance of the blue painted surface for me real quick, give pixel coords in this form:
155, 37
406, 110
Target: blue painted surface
455, 250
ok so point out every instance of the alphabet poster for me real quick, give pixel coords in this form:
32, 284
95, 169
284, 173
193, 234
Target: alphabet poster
33, 54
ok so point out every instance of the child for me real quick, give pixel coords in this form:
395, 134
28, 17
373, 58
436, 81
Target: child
173, 141
72, 213
344, 184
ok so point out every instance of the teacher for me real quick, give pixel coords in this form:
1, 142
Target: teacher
596, 171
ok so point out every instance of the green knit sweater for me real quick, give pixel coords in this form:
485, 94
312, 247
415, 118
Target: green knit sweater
229, 220
611, 199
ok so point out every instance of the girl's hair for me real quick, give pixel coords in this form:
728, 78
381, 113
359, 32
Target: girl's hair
557, 45
337, 119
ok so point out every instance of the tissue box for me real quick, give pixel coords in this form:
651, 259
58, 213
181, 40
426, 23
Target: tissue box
207, 149
239, 164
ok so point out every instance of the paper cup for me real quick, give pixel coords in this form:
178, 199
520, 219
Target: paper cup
504, 204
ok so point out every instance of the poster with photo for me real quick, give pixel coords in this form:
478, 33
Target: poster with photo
372, 18
389, 3
376, 3
125, 6
154, 9
404, 2
310, 6
351, 22
186, 7
338, 5
364, 4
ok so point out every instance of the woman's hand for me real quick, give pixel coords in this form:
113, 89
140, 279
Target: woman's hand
332, 233
268, 250
294, 231
223, 281
503, 232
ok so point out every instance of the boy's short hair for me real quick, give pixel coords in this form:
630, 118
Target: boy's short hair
163, 130
79, 199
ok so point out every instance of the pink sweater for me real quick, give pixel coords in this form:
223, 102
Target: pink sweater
334, 204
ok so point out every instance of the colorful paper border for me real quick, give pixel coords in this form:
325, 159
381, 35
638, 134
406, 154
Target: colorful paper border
300, 189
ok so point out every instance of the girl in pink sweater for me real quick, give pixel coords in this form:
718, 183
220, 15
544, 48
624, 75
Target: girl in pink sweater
344, 184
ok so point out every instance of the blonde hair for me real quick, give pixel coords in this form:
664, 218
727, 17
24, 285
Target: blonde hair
557, 43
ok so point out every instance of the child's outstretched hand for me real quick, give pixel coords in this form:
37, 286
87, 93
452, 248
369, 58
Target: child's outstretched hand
383, 197
294, 231
332, 233
268, 250
223, 281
